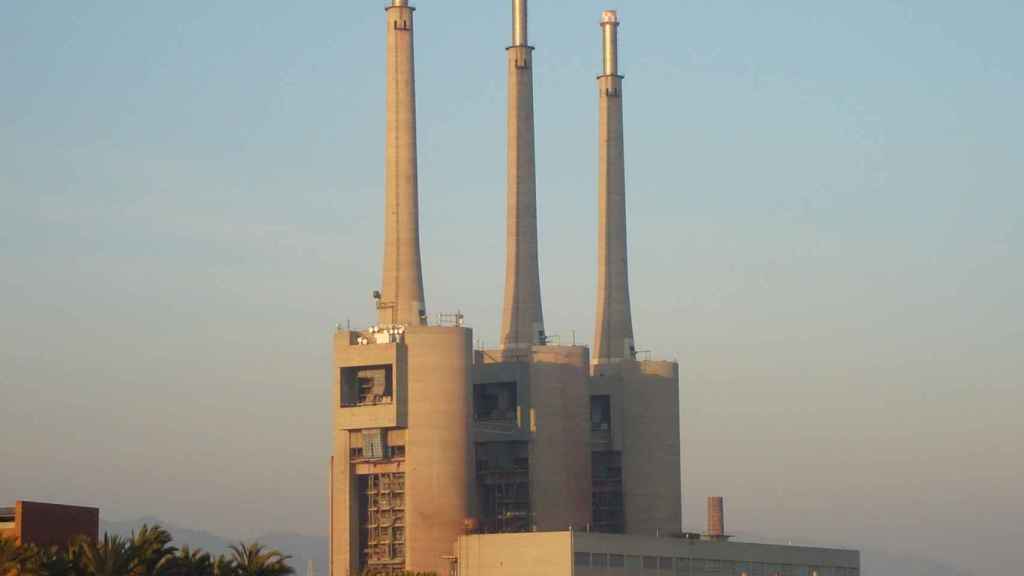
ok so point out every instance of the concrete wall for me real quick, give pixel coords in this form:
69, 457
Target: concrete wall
53, 524
439, 475
555, 414
561, 430
645, 428
430, 418
575, 554
533, 554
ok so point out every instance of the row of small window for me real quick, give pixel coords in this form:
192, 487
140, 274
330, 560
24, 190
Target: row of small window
700, 566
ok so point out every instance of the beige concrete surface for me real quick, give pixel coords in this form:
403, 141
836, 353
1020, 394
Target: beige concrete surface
532, 554
554, 418
645, 428
584, 554
402, 300
613, 332
431, 369
522, 322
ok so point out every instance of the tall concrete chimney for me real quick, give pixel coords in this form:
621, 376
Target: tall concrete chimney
522, 317
613, 335
401, 300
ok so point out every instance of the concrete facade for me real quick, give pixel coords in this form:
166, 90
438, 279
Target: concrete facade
643, 429
46, 524
550, 417
589, 554
422, 465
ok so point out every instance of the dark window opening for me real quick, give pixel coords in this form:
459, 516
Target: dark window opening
601, 419
503, 481
367, 386
495, 402
606, 477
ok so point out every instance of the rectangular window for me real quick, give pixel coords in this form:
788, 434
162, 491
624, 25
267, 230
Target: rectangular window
581, 559
503, 486
607, 499
601, 418
495, 402
374, 444
367, 386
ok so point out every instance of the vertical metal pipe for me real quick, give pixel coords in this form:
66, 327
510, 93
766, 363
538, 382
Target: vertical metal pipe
610, 24
519, 29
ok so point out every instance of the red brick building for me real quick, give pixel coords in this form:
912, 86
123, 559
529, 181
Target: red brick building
48, 524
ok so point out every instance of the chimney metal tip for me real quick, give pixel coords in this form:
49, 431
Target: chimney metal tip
519, 37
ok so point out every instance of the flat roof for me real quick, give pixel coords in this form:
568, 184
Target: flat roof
641, 548
629, 544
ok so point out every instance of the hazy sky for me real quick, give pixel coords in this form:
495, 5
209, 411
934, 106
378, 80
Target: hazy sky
825, 208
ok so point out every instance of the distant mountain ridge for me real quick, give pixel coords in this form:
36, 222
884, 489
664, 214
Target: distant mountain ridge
301, 547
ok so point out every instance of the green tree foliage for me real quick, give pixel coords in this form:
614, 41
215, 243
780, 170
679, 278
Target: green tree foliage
9, 557
151, 551
190, 562
110, 556
147, 552
255, 560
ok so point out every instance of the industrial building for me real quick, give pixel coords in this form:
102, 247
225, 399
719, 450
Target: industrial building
574, 553
47, 524
448, 459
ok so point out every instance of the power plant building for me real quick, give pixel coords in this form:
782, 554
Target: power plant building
448, 458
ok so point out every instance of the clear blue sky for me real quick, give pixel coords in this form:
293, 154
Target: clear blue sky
825, 203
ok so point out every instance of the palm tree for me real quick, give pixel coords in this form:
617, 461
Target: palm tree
190, 562
223, 566
47, 561
9, 557
109, 557
256, 560
151, 551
